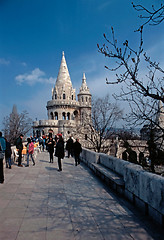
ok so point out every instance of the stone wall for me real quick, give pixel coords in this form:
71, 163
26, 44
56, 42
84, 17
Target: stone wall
144, 189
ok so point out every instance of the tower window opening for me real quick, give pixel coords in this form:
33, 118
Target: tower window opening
64, 116
68, 116
56, 115
72, 97
63, 95
55, 96
86, 136
51, 115
82, 99
86, 99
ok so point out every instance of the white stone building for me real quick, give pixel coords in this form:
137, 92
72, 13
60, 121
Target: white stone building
65, 113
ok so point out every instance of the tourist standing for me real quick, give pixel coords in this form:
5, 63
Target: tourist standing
59, 153
51, 144
2, 154
19, 146
77, 149
8, 153
30, 151
69, 147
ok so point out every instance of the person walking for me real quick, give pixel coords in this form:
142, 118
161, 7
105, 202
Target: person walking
77, 149
19, 146
2, 154
8, 153
51, 144
30, 151
59, 153
69, 147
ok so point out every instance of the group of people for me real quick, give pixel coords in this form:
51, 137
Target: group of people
52, 145
6, 152
57, 145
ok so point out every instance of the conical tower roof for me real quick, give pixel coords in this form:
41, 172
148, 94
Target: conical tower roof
63, 78
84, 88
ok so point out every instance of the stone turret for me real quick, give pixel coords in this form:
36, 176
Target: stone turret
84, 98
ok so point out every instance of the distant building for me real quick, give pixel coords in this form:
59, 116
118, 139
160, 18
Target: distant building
65, 113
158, 128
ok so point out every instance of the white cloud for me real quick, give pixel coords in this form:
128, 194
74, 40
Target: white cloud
4, 61
24, 64
36, 76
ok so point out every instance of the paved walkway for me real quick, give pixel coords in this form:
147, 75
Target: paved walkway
40, 203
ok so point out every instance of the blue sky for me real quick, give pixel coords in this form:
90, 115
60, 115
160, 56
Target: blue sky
33, 34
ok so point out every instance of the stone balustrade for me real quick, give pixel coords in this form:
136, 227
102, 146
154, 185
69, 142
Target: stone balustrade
144, 189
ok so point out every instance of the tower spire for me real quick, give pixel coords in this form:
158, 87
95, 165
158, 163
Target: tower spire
63, 77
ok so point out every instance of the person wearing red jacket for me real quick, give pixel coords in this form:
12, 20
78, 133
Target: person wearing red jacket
30, 151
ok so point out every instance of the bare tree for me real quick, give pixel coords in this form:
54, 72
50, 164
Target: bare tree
16, 124
153, 16
104, 118
143, 93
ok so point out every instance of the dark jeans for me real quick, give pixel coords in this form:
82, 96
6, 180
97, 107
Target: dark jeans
20, 157
51, 156
77, 158
70, 152
1, 171
59, 164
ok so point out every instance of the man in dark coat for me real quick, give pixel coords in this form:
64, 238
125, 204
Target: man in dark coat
2, 151
69, 147
51, 144
8, 153
60, 151
19, 146
77, 149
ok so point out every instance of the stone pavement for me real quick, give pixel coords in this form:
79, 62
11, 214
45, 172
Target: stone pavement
40, 203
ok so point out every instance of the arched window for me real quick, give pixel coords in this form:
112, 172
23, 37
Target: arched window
82, 99
64, 116
86, 99
72, 97
55, 96
51, 115
56, 115
63, 95
75, 115
68, 116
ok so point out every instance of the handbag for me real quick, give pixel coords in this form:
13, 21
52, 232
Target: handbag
2, 154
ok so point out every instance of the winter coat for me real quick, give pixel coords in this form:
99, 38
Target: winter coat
50, 145
60, 149
8, 150
3, 143
69, 144
77, 149
31, 148
19, 144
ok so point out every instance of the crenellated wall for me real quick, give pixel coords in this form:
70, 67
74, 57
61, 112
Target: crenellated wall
144, 189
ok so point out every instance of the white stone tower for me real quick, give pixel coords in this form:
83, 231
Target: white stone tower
84, 98
64, 112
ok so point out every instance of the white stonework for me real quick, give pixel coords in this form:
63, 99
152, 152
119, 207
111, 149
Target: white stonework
65, 113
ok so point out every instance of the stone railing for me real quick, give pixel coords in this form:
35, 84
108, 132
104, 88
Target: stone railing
145, 190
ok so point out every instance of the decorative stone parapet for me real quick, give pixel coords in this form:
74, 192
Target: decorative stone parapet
144, 189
